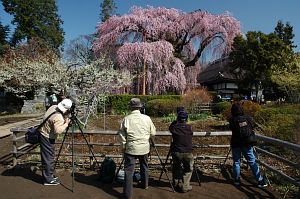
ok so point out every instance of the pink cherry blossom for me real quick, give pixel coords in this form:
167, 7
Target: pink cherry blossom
167, 41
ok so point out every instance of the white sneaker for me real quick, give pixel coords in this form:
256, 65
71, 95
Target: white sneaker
53, 182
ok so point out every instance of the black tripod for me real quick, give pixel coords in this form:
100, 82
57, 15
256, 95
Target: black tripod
74, 122
163, 170
223, 166
170, 163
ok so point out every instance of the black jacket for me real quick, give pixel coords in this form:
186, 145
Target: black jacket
182, 134
236, 138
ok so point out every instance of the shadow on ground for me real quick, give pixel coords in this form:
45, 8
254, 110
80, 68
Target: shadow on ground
27, 171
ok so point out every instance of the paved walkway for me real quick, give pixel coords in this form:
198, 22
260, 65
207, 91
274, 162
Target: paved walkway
5, 129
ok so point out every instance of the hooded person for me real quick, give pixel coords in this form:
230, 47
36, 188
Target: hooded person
55, 124
135, 131
239, 146
181, 151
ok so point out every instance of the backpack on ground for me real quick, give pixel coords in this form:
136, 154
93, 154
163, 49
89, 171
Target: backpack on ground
246, 131
107, 170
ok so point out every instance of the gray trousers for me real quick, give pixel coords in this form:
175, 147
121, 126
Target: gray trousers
129, 166
182, 168
47, 157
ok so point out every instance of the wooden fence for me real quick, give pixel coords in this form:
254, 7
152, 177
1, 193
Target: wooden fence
263, 154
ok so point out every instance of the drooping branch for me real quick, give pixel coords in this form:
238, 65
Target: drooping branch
162, 37
207, 41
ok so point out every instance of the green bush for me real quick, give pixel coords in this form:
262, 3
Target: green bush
249, 108
118, 104
278, 122
199, 116
169, 118
218, 108
161, 107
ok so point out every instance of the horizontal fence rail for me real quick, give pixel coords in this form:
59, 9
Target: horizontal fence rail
286, 145
18, 136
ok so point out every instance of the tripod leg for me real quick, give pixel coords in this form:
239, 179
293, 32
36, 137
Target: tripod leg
62, 143
226, 157
90, 148
161, 163
118, 170
164, 165
73, 165
197, 175
223, 165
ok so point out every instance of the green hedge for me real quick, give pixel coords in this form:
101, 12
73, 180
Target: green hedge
279, 122
161, 107
118, 104
219, 107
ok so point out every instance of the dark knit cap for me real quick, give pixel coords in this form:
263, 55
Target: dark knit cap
179, 108
182, 115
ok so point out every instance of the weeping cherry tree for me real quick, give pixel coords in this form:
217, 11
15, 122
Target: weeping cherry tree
162, 46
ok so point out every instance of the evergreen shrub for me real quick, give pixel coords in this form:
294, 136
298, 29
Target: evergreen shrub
118, 104
219, 107
279, 122
161, 107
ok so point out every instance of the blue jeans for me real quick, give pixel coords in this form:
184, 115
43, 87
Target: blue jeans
248, 154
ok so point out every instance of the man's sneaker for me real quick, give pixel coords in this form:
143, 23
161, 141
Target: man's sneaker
262, 183
52, 182
237, 182
187, 189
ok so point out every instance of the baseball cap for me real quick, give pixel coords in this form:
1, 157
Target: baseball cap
135, 103
64, 105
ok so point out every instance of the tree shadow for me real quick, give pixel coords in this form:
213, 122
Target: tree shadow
26, 171
248, 185
164, 183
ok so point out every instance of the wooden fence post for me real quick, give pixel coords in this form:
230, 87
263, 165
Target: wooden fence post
14, 148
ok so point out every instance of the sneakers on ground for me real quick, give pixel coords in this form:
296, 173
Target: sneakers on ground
237, 182
262, 183
52, 182
189, 188
56, 178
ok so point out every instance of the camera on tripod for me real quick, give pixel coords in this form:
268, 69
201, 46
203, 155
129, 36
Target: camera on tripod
143, 109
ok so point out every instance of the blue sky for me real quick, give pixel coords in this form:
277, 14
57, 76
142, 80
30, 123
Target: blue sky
81, 16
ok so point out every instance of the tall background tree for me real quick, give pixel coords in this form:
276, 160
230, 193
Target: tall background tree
258, 58
4, 30
79, 50
35, 19
108, 8
287, 76
163, 46
285, 33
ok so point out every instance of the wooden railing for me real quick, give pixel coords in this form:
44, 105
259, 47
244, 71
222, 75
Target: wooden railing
18, 137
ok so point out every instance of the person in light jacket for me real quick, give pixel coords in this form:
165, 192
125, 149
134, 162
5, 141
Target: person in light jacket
55, 125
135, 131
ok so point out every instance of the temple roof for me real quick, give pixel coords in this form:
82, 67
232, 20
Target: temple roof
217, 71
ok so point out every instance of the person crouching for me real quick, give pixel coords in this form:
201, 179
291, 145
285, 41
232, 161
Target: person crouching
181, 150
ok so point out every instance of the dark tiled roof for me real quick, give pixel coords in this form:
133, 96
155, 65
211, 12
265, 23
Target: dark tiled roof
217, 71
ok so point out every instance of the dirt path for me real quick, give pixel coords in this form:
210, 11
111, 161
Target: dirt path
24, 182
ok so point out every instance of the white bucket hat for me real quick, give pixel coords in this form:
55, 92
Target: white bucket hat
64, 105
